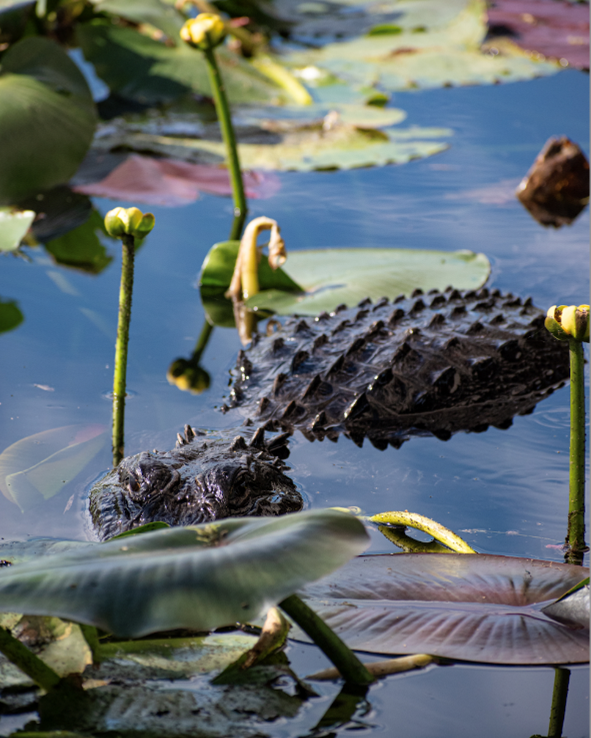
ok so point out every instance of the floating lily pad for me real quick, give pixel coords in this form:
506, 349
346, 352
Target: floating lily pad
199, 577
470, 607
47, 118
10, 315
139, 68
317, 280
159, 14
81, 248
13, 226
432, 44
39, 466
322, 137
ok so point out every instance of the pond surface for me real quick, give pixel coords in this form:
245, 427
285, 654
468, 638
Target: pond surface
504, 492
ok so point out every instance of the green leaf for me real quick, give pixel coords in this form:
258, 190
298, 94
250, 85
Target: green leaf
139, 68
10, 315
47, 118
159, 14
199, 577
81, 248
13, 226
37, 467
446, 51
469, 607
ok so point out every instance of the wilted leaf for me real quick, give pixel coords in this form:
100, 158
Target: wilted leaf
37, 467
470, 607
199, 577
437, 44
138, 68
13, 226
143, 179
47, 118
550, 27
10, 315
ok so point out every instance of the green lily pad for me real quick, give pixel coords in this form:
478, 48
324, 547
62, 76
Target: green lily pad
199, 577
323, 137
435, 44
142, 69
470, 607
13, 226
10, 315
159, 14
47, 118
317, 280
81, 248
38, 467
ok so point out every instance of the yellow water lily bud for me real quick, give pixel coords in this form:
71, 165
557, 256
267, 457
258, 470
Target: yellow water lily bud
188, 377
128, 222
205, 31
568, 321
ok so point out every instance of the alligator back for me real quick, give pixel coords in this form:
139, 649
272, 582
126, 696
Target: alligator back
429, 364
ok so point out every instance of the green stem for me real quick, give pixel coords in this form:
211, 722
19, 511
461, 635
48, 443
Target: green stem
18, 654
202, 341
576, 502
237, 226
225, 120
91, 637
125, 294
558, 709
351, 669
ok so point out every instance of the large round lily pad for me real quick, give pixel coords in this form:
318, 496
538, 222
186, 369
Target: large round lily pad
470, 607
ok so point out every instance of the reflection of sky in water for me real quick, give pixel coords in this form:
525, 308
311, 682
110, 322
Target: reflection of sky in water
509, 485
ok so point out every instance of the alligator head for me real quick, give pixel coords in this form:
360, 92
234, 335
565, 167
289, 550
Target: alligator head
206, 477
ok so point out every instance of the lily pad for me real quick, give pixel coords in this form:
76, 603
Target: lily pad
39, 466
10, 315
139, 68
199, 577
469, 607
81, 248
428, 46
322, 137
317, 280
47, 118
159, 14
13, 226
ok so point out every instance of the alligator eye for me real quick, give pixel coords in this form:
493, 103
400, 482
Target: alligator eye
132, 483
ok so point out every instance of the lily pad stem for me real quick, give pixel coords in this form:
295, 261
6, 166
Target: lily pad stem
558, 709
576, 503
18, 654
225, 120
420, 522
119, 379
349, 666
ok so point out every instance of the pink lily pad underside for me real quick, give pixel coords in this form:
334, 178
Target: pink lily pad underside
151, 181
555, 28
466, 607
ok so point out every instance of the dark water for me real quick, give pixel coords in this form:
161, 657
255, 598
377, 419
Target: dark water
505, 492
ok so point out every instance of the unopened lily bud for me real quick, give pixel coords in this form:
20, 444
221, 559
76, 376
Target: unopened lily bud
128, 222
568, 321
204, 32
187, 376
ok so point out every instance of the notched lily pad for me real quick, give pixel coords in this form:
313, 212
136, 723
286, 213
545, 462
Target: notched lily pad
469, 607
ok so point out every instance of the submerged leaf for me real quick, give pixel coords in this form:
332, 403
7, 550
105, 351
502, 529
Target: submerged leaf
37, 467
199, 577
47, 118
469, 607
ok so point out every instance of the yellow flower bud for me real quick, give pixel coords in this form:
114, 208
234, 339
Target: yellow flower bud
188, 377
568, 321
121, 222
205, 31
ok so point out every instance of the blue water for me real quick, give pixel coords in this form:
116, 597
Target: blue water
505, 492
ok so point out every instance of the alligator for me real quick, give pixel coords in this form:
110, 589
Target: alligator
428, 364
